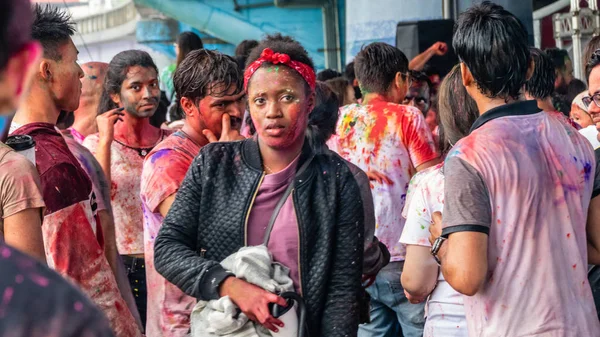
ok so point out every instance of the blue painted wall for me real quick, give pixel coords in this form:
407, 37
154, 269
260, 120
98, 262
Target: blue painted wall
223, 22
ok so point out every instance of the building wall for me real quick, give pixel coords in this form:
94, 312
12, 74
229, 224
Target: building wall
375, 20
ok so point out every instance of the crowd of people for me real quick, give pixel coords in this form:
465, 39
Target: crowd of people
394, 200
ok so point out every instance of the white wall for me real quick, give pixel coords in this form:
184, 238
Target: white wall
375, 20
105, 51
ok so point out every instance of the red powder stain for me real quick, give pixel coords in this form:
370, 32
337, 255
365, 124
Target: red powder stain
377, 133
575, 266
113, 190
568, 235
498, 221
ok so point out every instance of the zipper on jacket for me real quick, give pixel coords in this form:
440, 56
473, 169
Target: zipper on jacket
262, 177
299, 243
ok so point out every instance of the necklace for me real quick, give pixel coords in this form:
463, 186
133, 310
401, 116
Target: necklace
142, 151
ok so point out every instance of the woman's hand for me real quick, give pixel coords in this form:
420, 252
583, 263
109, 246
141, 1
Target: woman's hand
253, 301
106, 124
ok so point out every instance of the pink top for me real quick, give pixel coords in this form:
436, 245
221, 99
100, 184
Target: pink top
283, 242
169, 308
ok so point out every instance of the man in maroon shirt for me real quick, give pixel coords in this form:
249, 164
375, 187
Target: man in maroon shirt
72, 234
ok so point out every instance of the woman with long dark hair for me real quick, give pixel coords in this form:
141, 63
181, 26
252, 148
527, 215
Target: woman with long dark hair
273, 189
185, 43
421, 278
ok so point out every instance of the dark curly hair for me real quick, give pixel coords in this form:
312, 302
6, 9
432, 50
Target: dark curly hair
281, 44
323, 118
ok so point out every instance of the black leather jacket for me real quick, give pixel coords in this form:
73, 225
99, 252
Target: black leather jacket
207, 222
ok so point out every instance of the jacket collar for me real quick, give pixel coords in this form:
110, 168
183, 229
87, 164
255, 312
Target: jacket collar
514, 109
251, 155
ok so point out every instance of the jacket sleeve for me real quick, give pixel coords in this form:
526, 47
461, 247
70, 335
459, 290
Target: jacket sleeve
341, 315
175, 249
376, 254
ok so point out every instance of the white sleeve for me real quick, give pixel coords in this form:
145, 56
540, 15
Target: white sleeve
418, 219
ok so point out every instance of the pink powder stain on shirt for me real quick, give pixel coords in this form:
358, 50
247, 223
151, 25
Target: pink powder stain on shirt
5, 252
39, 280
78, 306
6, 297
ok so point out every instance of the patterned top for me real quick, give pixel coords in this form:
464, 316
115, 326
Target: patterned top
392, 139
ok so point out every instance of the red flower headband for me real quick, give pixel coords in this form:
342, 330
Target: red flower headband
276, 58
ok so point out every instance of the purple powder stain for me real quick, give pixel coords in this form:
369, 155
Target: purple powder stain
39, 280
78, 306
587, 170
158, 154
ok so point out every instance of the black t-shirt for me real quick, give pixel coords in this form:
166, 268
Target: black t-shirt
35, 301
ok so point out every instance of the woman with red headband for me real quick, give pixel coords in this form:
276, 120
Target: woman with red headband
274, 189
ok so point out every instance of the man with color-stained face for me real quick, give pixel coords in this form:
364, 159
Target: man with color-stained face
391, 142
72, 233
130, 97
419, 94
209, 85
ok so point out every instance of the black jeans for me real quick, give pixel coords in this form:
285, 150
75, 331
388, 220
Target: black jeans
136, 273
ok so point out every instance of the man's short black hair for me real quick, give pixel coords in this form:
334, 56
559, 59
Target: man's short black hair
245, 47
559, 57
52, 27
206, 72
592, 63
493, 44
541, 83
328, 74
376, 66
15, 27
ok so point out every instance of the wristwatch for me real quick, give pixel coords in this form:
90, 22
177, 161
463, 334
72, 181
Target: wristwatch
437, 244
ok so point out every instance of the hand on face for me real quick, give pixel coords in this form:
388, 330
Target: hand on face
279, 105
106, 124
228, 132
